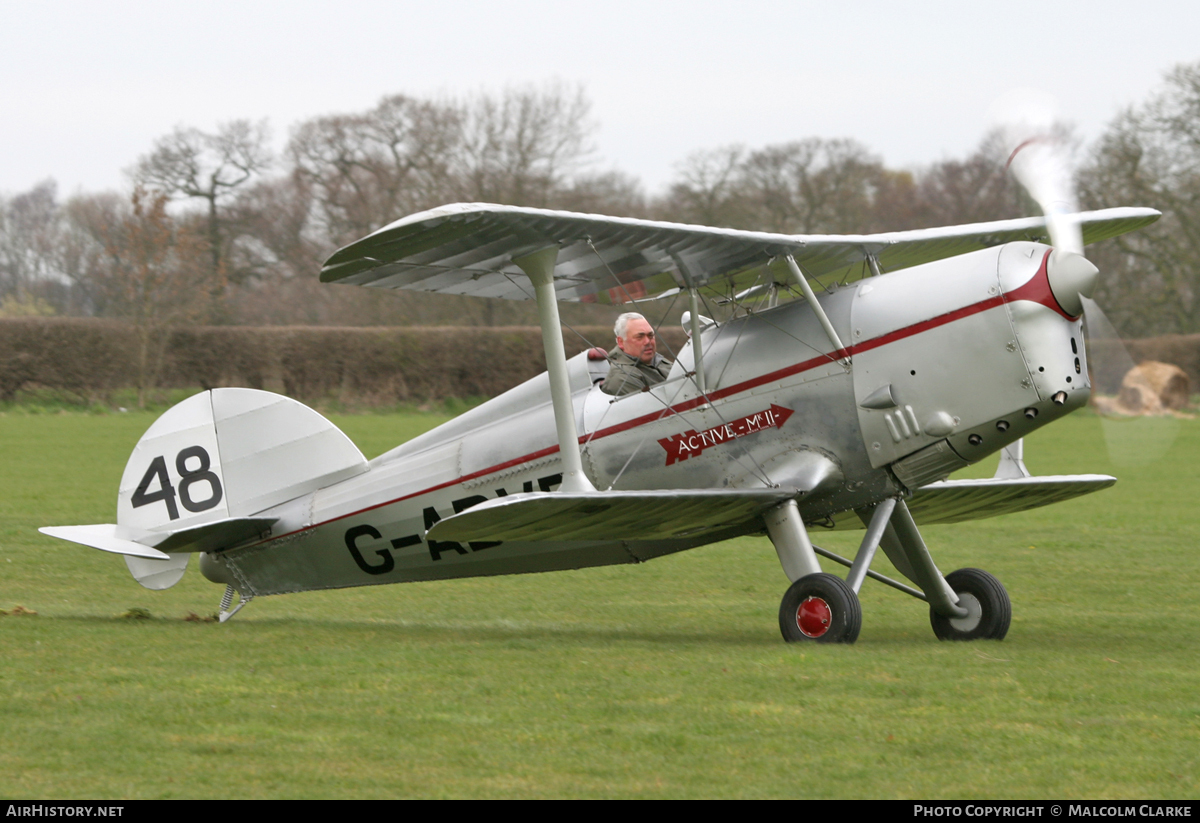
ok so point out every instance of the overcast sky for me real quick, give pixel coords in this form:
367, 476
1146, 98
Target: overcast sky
87, 87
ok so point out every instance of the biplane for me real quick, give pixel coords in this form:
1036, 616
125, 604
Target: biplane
866, 370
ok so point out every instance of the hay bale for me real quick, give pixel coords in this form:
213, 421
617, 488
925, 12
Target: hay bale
1151, 387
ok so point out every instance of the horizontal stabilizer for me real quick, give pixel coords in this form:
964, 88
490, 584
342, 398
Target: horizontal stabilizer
625, 515
103, 536
219, 534
953, 501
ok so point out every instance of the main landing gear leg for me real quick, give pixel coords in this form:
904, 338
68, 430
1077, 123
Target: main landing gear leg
817, 606
968, 604
787, 532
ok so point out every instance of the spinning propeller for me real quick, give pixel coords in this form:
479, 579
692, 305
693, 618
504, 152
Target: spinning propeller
1041, 163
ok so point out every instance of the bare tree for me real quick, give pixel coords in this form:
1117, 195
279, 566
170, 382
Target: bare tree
91, 220
706, 190
612, 193
362, 171
1150, 156
811, 186
135, 262
277, 234
365, 170
805, 186
897, 204
210, 167
977, 188
521, 147
31, 228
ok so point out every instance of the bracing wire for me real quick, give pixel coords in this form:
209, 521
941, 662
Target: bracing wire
756, 469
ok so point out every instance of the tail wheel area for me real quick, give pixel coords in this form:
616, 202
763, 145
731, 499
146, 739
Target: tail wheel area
821, 608
989, 611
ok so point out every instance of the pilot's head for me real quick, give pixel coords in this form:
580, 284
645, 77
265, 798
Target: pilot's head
635, 337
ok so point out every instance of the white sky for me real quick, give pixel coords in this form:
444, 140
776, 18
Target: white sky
85, 88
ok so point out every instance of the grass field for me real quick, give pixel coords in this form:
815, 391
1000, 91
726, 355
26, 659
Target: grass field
662, 680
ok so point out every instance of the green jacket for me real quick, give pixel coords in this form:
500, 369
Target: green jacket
627, 374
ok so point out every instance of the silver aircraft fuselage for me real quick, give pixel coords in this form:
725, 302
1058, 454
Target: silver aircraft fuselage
942, 364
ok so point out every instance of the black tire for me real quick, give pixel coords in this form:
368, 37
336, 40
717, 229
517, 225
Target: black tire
984, 596
820, 608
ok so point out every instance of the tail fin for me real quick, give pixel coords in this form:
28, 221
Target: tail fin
203, 469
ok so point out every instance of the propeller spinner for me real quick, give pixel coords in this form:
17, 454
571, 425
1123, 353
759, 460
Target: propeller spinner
1041, 165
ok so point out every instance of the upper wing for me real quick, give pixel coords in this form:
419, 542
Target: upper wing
468, 249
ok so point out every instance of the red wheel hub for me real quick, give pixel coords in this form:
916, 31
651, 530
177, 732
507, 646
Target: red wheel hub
813, 617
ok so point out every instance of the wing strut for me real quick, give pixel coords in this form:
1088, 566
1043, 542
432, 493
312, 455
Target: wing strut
802, 281
1012, 462
540, 267
697, 349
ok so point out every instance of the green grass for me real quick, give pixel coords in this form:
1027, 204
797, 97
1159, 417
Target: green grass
662, 680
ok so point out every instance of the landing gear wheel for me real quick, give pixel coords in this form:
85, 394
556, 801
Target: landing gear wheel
989, 611
820, 607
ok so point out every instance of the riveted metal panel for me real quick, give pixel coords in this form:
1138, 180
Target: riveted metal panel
940, 336
1051, 343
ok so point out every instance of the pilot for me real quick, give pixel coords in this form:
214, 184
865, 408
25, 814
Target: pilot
636, 363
